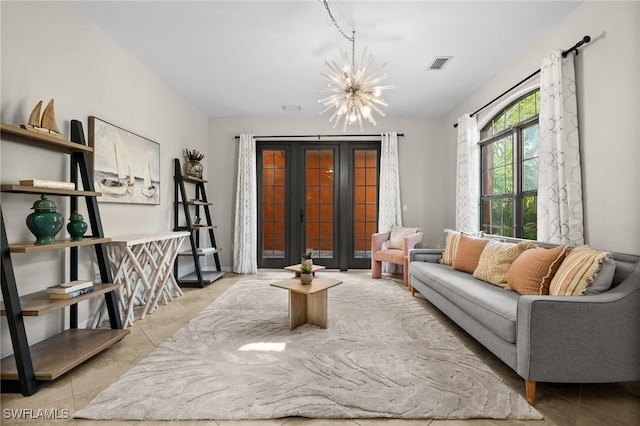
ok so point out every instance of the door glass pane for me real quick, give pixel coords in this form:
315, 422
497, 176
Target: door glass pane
365, 167
319, 198
273, 199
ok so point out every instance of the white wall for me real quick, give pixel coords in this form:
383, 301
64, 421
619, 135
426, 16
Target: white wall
608, 79
420, 154
50, 51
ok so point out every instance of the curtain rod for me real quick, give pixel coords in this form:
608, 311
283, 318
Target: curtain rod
363, 135
574, 48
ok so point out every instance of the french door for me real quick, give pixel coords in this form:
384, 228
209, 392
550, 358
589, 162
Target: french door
321, 197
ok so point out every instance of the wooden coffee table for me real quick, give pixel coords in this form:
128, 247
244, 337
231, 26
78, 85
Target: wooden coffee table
307, 302
298, 269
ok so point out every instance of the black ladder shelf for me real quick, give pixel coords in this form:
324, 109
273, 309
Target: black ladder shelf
199, 277
49, 359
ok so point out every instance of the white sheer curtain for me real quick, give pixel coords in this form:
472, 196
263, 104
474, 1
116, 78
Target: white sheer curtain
390, 210
560, 216
468, 175
245, 237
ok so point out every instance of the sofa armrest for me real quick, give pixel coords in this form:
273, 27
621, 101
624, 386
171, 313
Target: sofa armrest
580, 339
425, 255
410, 241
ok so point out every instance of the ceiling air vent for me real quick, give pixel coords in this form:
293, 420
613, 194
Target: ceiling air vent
439, 62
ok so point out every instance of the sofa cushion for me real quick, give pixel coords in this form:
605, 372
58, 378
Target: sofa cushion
396, 237
468, 253
604, 280
390, 256
579, 270
492, 306
495, 260
533, 270
451, 239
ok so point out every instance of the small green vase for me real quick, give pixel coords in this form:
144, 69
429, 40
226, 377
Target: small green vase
45, 222
77, 227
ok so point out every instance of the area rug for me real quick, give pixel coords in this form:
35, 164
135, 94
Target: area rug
383, 355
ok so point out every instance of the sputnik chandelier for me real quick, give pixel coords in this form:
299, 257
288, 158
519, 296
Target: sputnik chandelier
355, 91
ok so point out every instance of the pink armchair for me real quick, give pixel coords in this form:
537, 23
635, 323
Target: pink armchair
381, 252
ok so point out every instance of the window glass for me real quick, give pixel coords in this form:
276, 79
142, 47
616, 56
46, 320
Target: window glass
509, 169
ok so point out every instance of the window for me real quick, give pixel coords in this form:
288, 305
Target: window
509, 170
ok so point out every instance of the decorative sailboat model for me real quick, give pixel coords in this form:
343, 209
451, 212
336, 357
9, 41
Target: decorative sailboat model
46, 124
148, 188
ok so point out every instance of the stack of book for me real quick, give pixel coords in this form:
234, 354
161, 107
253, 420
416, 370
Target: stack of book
70, 290
41, 183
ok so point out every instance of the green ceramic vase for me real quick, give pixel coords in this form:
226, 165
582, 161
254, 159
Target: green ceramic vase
77, 227
45, 222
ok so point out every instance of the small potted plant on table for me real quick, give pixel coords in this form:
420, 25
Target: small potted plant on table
306, 276
307, 258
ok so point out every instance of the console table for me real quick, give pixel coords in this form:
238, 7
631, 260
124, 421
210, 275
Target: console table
143, 265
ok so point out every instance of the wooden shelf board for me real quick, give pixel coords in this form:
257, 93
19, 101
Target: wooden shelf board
29, 247
23, 189
193, 179
58, 354
195, 227
207, 277
195, 203
189, 253
43, 139
38, 303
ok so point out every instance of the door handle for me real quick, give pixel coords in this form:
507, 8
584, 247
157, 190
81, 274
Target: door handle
301, 216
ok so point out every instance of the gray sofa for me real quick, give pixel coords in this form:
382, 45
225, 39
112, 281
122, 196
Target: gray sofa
562, 339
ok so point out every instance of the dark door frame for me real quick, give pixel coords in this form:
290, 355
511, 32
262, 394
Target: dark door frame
344, 206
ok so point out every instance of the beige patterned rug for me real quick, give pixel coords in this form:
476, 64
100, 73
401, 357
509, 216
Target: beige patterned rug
382, 356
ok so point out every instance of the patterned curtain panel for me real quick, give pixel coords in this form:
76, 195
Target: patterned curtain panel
468, 175
245, 237
560, 217
390, 210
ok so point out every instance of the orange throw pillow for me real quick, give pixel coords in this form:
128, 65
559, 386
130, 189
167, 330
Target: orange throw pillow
468, 253
533, 270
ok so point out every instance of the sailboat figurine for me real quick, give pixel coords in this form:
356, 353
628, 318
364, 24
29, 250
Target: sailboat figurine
148, 188
46, 124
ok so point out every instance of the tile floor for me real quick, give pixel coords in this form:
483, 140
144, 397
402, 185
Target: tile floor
561, 404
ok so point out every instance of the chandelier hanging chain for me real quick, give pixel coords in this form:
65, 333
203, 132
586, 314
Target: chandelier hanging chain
355, 92
326, 6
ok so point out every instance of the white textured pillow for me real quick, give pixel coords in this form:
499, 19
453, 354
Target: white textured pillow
495, 260
396, 239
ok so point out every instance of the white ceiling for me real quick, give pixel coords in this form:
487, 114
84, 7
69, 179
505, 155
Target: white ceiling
241, 58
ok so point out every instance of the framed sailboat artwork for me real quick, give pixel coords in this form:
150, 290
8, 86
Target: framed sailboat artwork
126, 166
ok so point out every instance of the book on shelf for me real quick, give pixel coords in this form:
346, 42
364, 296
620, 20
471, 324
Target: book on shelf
73, 294
69, 287
41, 183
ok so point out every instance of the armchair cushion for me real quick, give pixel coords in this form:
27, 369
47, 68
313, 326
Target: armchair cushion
389, 256
398, 233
